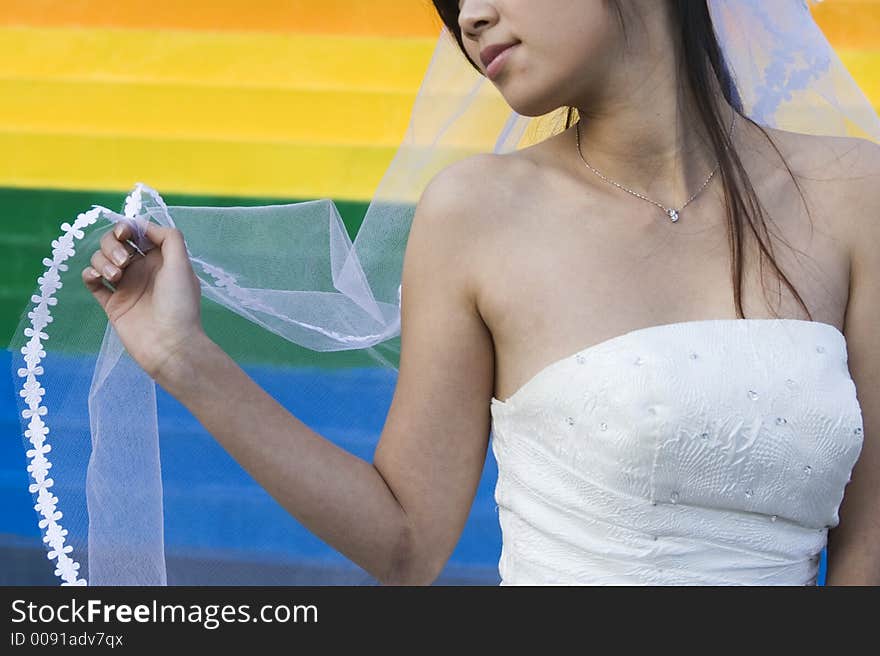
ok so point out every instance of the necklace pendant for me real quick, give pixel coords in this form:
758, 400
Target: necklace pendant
673, 215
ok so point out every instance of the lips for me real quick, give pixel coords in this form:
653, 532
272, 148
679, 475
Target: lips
489, 53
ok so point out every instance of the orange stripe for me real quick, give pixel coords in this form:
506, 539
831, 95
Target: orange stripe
853, 24
376, 17
847, 23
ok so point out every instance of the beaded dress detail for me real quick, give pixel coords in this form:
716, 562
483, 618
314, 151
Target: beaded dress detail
702, 452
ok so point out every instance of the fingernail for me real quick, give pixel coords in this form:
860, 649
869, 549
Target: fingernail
92, 273
120, 257
110, 271
118, 230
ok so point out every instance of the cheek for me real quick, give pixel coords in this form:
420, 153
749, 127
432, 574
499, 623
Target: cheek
575, 26
578, 50
580, 36
544, 77
535, 85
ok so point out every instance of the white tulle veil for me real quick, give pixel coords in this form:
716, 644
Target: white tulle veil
126, 494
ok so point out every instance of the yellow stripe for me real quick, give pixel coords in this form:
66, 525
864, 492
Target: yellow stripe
286, 116
864, 66
298, 61
115, 162
167, 111
219, 59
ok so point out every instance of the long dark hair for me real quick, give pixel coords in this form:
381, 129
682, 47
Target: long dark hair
703, 63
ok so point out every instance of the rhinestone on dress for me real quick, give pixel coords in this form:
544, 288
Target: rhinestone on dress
652, 410
705, 436
580, 359
569, 421
858, 430
753, 395
694, 356
790, 382
603, 426
808, 469
773, 518
749, 493
820, 349
639, 361
780, 421
673, 498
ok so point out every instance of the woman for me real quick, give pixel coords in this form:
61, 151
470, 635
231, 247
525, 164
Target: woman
628, 451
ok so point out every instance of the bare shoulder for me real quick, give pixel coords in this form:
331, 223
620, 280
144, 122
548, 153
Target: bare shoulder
479, 180
860, 164
845, 174
816, 157
841, 162
840, 177
858, 200
461, 211
472, 198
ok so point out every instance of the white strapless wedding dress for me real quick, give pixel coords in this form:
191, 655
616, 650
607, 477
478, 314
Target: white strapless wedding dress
707, 452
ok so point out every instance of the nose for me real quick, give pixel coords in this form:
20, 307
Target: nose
476, 16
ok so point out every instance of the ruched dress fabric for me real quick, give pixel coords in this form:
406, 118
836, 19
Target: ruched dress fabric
710, 452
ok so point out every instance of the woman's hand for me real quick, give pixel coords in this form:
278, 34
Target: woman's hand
156, 308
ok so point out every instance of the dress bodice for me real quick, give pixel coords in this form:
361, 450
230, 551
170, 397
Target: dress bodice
700, 452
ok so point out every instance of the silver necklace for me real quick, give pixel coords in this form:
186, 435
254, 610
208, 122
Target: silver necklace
671, 212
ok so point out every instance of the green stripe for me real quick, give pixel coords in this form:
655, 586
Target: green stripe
32, 218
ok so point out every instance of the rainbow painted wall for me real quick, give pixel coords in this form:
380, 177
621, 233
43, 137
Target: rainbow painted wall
222, 104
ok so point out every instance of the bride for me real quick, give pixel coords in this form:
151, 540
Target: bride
585, 299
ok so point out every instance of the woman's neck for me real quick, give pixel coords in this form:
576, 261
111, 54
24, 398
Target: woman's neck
650, 148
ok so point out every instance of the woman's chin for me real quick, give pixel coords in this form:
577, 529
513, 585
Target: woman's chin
523, 97
530, 105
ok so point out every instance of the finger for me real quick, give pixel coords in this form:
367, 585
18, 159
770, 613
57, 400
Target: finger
135, 248
114, 250
105, 267
169, 240
122, 231
92, 280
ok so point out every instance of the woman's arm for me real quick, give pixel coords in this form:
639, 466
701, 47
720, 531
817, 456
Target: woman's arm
401, 516
338, 496
854, 545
